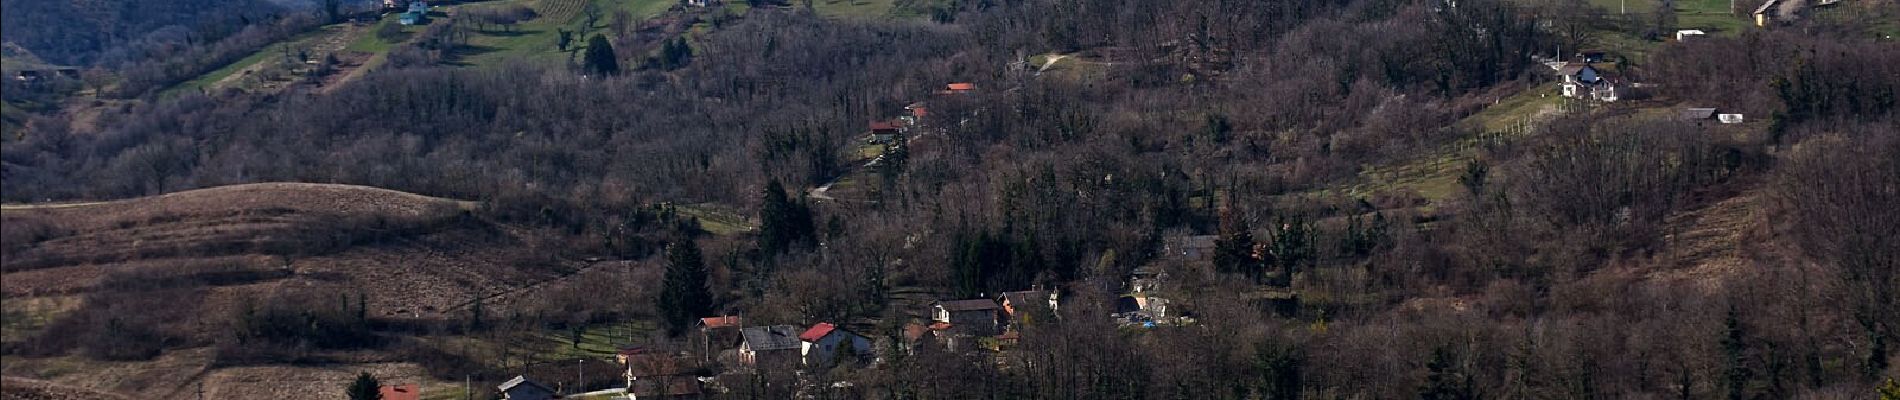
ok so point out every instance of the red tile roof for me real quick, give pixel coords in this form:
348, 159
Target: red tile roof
914, 331
400, 392
653, 365
919, 112
961, 86
817, 332
721, 322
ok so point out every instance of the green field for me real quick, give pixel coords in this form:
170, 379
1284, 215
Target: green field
273, 50
537, 40
597, 341
717, 220
854, 8
369, 43
1434, 176
1708, 15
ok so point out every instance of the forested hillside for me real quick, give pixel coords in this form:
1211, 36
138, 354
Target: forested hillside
1332, 199
83, 31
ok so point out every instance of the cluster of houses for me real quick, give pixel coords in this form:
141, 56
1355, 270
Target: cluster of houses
414, 12
888, 130
1582, 79
33, 76
983, 323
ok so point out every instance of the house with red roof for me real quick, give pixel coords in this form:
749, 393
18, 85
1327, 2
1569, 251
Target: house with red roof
917, 334
400, 392
716, 335
885, 131
824, 341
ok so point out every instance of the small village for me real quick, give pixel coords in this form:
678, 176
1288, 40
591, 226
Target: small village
723, 351
1190, 205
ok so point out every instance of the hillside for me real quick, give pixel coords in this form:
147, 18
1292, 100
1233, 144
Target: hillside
76, 32
33, 389
409, 253
1025, 199
409, 257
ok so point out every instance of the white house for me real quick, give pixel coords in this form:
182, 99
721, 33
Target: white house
1583, 81
1686, 34
823, 340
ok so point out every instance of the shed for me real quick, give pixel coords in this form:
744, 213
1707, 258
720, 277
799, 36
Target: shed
1697, 114
520, 388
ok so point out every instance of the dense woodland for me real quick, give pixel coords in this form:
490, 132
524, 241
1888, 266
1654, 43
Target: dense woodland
1553, 272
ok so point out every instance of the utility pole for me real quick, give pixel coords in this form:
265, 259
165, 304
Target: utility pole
468, 391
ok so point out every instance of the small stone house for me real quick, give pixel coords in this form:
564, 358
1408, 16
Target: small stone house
769, 345
973, 317
1015, 304
717, 334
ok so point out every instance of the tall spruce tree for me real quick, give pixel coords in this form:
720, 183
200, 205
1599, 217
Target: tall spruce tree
684, 294
783, 222
600, 57
365, 388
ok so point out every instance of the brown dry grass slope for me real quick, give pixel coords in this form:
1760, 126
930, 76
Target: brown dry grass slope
408, 256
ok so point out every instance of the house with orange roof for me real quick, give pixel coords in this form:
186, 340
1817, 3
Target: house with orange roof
717, 334
958, 88
400, 392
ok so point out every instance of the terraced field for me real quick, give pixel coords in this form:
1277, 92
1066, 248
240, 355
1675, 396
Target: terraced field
559, 10
1434, 176
352, 44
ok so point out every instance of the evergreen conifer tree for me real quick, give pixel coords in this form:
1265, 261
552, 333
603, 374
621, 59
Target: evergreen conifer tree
684, 295
600, 58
